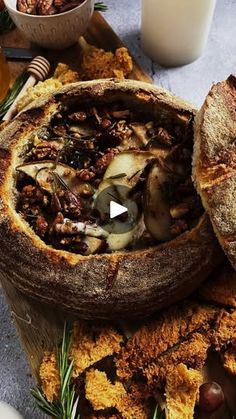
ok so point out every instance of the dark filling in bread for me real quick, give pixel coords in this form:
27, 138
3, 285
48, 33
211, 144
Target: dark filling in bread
86, 149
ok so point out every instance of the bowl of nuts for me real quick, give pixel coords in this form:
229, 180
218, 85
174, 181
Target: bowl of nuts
54, 24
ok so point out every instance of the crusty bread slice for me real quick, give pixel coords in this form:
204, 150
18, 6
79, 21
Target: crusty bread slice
214, 161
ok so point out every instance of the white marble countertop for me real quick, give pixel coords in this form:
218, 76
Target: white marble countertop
191, 82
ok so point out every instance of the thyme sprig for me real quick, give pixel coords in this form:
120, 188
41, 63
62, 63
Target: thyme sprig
66, 406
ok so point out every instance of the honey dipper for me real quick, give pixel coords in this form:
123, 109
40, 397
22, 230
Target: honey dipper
38, 70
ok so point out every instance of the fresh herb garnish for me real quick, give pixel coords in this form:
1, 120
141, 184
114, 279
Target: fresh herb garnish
100, 6
66, 406
13, 93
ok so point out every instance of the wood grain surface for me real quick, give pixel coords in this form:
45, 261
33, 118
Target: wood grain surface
39, 325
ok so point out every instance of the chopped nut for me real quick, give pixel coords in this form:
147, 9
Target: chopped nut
86, 174
178, 228
71, 204
164, 136
41, 226
78, 116
179, 210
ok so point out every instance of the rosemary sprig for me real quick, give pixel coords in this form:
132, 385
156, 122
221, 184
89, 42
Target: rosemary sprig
12, 94
66, 406
158, 413
100, 6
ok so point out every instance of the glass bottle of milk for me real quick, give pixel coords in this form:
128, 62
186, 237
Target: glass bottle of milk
175, 32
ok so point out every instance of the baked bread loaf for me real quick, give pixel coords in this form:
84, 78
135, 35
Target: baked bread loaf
43, 250
214, 162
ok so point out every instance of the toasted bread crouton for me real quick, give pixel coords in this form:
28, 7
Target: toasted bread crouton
102, 394
182, 389
49, 376
91, 344
229, 360
172, 326
100, 64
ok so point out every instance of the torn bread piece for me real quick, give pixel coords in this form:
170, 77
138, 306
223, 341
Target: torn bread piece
90, 344
49, 376
182, 390
150, 341
192, 353
102, 394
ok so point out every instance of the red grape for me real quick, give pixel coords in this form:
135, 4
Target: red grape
211, 397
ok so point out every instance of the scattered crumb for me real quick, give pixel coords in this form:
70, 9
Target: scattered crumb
182, 391
62, 75
49, 375
91, 344
65, 75
102, 394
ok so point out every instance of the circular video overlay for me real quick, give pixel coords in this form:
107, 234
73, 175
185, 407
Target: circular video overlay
118, 211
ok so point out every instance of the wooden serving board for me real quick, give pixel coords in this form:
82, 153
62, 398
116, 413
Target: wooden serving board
40, 326
99, 34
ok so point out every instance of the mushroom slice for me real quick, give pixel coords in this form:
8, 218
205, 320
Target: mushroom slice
94, 245
45, 173
126, 168
140, 132
122, 175
121, 241
156, 208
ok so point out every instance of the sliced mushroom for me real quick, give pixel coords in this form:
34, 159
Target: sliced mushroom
156, 208
140, 131
121, 241
122, 175
131, 163
46, 173
94, 244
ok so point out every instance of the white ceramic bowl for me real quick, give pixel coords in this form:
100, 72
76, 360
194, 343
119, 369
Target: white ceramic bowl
55, 31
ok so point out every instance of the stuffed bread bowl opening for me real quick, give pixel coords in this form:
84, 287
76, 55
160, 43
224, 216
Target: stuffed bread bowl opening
94, 149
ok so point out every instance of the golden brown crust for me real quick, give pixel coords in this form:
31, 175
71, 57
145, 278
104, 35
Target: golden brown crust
214, 161
167, 273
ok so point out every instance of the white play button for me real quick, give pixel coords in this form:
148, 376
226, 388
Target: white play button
116, 209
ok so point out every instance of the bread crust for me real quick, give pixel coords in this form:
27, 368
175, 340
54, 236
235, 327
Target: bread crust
214, 162
143, 281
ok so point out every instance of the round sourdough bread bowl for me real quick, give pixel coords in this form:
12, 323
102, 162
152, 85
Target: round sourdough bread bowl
214, 162
122, 284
